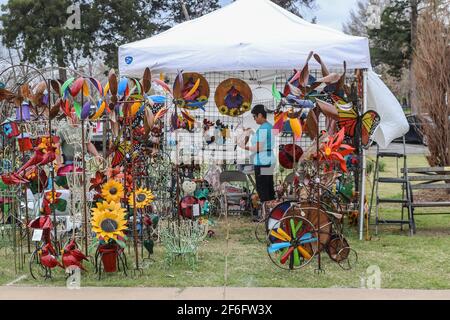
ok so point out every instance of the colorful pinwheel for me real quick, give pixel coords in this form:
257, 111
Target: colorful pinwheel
288, 121
94, 105
291, 242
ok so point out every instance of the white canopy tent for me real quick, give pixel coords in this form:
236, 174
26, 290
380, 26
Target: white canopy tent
259, 35
245, 35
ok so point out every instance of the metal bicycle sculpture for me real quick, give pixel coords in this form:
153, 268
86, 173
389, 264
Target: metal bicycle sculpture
301, 224
306, 231
299, 230
296, 231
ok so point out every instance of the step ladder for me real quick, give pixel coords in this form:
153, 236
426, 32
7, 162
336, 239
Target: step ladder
404, 202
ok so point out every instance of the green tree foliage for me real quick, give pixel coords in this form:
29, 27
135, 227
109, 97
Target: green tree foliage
120, 22
195, 9
38, 27
391, 44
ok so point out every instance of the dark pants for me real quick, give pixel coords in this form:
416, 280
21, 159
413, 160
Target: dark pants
264, 183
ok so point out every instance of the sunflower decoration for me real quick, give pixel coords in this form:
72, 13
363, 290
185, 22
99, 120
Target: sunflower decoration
112, 191
234, 112
223, 110
143, 198
233, 97
245, 107
108, 221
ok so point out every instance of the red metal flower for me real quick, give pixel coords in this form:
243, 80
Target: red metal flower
335, 150
97, 181
114, 173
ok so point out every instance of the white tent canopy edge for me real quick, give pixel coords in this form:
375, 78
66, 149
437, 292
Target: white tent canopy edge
245, 35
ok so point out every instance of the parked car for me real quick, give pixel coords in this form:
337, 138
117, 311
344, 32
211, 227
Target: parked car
415, 134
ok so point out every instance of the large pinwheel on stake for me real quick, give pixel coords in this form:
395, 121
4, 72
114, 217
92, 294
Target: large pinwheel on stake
291, 242
94, 103
334, 82
298, 88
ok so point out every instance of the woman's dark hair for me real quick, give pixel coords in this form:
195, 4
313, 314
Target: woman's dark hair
259, 109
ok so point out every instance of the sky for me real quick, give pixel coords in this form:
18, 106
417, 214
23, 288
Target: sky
330, 13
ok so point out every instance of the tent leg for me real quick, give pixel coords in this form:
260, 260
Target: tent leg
363, 161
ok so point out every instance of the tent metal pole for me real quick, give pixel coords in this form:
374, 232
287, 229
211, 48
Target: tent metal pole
363, 162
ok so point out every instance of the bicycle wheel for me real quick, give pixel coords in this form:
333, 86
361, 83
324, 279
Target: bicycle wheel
37, 270
277, 213
340, 251
292, 242
260, 234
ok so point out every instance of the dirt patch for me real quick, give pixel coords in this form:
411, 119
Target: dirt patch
432, 196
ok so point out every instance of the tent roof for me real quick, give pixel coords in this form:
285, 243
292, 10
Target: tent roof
244, 35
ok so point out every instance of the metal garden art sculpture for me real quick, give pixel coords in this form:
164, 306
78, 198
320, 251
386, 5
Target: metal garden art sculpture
190, 91
109, 223
299, 230
127, 105
134, 121
31, 129
233, 97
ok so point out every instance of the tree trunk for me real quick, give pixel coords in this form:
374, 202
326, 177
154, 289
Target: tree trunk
412, 79
185, 11
60, 60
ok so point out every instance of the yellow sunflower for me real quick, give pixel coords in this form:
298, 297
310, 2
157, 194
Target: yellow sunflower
112, 191
143, 198
223, 109
108, 221
246, 106
234, 112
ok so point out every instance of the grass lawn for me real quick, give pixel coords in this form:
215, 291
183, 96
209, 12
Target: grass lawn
405, 262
